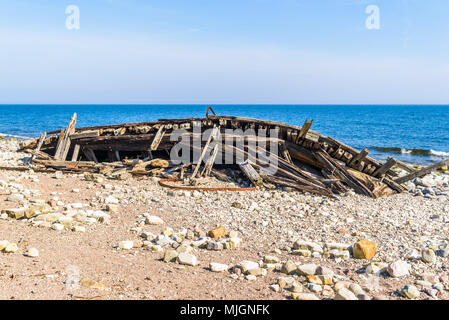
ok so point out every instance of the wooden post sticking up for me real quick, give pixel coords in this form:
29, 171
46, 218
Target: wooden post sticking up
422, 172
64, 144
214, 134
359, 157
384, 169
305, 128
76, 152
41, 141
251, 173
210, 162
157, 138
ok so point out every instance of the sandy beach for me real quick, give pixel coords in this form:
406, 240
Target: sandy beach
84, 236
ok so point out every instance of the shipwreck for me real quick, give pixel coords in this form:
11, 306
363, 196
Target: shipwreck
305, 160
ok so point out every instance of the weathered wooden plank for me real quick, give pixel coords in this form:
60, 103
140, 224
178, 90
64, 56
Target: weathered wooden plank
385, 168
41, 141
157, 138
76, 152
422, 172
64, 145
85, 134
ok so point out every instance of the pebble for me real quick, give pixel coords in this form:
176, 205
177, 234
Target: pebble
32, 252
398, 269
218, 267
126, 245
428, 256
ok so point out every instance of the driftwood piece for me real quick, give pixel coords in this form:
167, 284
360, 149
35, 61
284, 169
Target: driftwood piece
422, 172
251, 173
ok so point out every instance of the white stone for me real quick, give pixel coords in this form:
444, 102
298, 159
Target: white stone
187, 259
218, 267
154, 220
126, 245
398, 269
32, 252
247, 265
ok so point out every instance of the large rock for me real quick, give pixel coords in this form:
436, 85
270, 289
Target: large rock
11, 248
398, 269
364, 249
289, 267
410, 292
126, 245
154, 220
304, 296
307, 269
170, 255
217, 232
345, 294
187, 259
247, 265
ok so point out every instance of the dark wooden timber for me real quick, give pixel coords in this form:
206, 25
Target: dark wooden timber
422, 172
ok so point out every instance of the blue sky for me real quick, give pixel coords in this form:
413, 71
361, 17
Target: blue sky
224, 51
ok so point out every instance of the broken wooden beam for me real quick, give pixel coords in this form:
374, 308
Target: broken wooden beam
64, 144
422, 172
157, 138
385, 168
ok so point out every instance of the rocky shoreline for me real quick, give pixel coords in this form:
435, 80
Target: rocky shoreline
277, 244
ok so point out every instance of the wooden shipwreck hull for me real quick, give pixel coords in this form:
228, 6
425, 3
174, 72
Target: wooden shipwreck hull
306, 160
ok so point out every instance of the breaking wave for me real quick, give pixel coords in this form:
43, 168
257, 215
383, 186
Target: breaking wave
415, 152
7, 135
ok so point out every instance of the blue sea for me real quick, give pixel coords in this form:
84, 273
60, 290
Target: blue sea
415, 134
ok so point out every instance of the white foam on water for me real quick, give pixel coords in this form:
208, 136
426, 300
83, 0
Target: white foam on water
439, 153
7, 135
